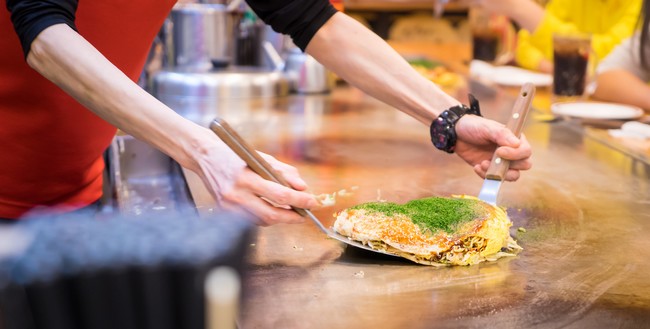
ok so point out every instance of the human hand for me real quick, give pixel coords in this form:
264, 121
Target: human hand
234, 185
545, 66
478, 138
500, 7
528, 14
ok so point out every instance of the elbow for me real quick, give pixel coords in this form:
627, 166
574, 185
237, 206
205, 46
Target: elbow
35, 55
40, 49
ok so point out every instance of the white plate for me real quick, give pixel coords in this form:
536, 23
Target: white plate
508, 75
514, 76
597, 110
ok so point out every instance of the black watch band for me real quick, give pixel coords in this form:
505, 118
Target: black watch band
443, 128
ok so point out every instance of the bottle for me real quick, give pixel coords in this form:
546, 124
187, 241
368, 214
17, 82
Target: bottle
248, 40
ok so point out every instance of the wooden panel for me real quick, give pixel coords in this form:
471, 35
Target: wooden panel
397, 5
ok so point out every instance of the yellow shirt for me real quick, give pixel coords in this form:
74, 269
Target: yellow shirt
609, 22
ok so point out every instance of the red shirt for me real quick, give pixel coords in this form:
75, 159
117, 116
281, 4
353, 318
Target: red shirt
51, 145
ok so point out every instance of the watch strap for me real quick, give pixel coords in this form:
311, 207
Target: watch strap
443, 128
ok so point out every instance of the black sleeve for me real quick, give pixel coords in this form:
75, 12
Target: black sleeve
298, 18
31, 17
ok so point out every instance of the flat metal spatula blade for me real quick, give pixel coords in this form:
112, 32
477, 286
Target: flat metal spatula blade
348, 241
490, 191
336, 236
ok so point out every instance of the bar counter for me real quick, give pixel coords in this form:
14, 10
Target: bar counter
584, 207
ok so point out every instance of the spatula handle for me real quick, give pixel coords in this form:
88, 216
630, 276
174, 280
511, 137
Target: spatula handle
499, 167
249, 155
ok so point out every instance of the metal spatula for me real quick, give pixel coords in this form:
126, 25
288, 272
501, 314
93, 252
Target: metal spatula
264, 169
498, 167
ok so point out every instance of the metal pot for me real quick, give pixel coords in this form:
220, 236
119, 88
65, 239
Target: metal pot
202, 36
306, 73
200, 96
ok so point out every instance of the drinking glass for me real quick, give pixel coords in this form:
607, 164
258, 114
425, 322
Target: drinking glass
492, 36
571, 63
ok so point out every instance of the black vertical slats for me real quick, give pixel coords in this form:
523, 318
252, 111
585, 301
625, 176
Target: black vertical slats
121, 299
15, 308
52, 305
154, 298
91, 292
129, 274
190, 302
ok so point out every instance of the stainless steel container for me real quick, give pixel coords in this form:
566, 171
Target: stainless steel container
200, 96
202, 36
141, 180
307, 74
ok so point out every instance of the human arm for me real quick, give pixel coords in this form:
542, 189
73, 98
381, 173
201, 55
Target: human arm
608, 23
621, 86
621, 78
527, 14
63, 56
366, 61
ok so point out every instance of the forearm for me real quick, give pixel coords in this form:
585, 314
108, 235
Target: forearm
85, 74
527, 14
366, 61
623, 87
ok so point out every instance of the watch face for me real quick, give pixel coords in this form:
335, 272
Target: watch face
443, 134
441, 143
439, 137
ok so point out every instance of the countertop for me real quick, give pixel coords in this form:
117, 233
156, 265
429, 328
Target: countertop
585, 207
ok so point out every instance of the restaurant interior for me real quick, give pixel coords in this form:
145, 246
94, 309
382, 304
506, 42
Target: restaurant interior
162, 253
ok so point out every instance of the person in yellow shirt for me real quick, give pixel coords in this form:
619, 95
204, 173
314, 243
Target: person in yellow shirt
608, 21
624, 75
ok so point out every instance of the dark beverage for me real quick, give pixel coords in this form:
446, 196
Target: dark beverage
569, 73
485, 47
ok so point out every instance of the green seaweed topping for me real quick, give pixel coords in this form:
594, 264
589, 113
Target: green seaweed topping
426, 63
431, 214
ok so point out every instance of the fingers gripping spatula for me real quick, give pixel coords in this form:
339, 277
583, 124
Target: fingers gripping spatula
498, 166
264, 169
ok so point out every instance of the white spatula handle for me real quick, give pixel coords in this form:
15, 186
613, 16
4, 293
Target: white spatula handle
499, 167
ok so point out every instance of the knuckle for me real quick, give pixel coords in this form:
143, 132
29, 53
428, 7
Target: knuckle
286, 170
526, 148
282, 197
513, 175
230, 196
263, 222
272, 217
291, 169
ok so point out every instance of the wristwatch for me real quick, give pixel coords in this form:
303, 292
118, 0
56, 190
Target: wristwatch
443, 128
